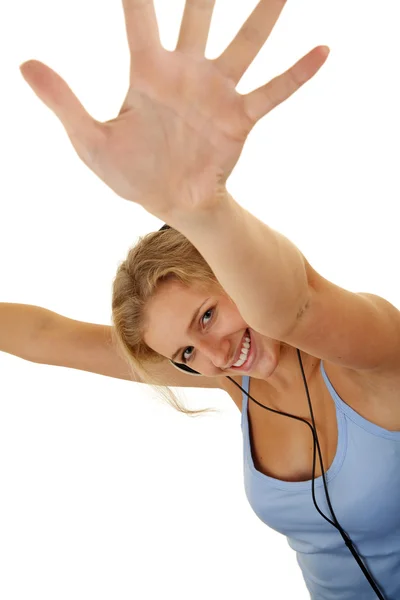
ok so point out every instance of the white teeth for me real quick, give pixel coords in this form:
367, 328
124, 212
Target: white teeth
243, 353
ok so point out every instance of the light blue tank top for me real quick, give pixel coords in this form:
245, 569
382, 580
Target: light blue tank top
364, 488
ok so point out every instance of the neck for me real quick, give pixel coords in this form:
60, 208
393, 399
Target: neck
287, 376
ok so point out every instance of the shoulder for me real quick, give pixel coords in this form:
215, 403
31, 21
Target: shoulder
370, 394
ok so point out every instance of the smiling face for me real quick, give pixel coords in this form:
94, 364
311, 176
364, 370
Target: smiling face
211, 343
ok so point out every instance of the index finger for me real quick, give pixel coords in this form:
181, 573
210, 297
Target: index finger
141, 26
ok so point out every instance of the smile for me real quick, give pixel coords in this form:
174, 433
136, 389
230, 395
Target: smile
246, 353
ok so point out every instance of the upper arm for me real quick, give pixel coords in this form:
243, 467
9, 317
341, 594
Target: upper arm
356, 330
89, 347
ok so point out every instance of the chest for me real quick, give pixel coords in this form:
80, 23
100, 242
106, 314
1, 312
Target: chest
282, 447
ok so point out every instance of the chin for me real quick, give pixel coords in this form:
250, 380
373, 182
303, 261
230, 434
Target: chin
266, 365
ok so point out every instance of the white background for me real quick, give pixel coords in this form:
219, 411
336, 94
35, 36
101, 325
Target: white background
105, 491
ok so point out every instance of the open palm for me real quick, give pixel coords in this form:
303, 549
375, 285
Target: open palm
182, 126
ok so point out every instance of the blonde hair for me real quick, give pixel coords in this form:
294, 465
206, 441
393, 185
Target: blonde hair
158, 257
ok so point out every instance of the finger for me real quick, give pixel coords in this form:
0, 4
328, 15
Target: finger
141, 26
57, 95
241, 52
195, 26
259, 102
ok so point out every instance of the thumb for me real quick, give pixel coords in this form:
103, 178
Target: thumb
58, 96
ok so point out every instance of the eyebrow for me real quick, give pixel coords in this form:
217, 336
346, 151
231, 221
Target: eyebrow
191, 324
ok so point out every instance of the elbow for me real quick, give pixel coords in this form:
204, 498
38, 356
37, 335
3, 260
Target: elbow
299, 311
284, 322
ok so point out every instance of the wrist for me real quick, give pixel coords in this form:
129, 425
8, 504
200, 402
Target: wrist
199, 217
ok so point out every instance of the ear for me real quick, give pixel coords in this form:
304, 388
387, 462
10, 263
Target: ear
185, 368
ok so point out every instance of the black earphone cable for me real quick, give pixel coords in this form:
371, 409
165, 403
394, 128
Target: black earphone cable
336, 523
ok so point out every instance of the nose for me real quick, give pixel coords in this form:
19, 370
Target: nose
215, 350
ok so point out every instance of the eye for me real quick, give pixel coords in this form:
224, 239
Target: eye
183, 358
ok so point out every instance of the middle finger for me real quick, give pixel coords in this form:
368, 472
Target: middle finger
241, 52
141, 27
195, 26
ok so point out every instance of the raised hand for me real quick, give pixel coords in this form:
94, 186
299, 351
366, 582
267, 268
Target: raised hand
182, 125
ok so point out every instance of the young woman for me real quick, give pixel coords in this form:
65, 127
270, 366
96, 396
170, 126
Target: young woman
237, 302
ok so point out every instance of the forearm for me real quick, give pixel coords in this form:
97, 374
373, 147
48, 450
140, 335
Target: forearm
20, 326
260, 269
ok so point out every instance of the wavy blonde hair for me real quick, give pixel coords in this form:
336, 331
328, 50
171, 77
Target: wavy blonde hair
158, 257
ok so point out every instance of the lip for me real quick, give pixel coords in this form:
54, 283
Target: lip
250, 359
